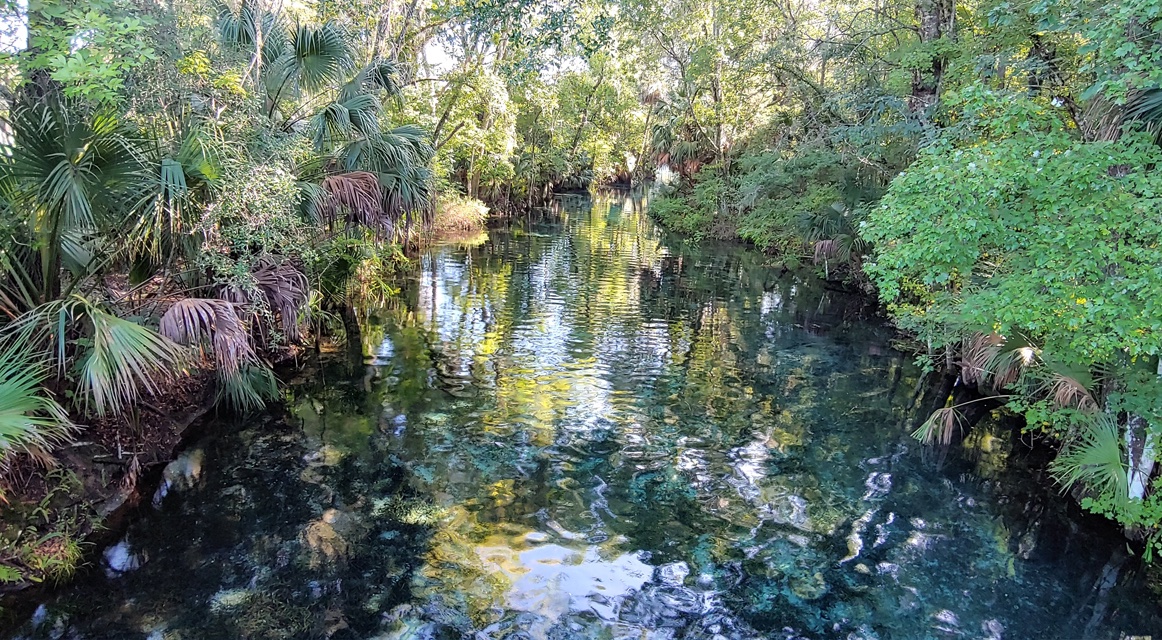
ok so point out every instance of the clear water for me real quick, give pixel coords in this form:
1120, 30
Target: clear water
582, 429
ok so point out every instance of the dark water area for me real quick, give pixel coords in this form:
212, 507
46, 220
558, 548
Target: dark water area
581, 428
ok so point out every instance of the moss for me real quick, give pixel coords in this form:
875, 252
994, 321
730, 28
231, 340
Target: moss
42, 541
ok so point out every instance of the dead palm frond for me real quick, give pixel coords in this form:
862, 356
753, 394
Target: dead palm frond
213, 324
274, 287
245, 381
357, 195
939, 426
976, 353
1069, 393
826, 250
286, 289
650, 95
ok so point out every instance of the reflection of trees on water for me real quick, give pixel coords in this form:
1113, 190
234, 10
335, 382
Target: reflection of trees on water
636, 392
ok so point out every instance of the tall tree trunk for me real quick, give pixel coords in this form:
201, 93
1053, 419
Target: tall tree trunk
38, 84
585, 114
401, 38
645, 142
935, 19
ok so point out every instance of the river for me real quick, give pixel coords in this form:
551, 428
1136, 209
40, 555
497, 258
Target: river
582, 428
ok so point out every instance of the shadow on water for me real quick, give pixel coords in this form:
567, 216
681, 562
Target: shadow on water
585, 429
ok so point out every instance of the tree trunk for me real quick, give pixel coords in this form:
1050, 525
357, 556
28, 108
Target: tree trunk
1139, 456
936, 397
38, 84
935, 19
354, 334
585, 115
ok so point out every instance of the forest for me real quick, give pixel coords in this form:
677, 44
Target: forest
194, 193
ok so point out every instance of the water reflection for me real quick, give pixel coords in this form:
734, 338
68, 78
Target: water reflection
583, 429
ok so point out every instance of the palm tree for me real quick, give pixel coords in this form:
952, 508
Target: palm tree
65, 190
347, 134
307, 65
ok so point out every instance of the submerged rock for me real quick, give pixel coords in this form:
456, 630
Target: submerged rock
229, 599
328, 538
180, 474
120, 559
789, 510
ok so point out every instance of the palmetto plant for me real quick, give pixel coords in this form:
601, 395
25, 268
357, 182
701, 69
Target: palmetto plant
380, 181
310, 59
1146, 107
292, 60
174, 187
80, 192
31, 421
1095, 460
114, 360
66, 186
831, 233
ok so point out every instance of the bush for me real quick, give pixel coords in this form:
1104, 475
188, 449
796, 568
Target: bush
456, 215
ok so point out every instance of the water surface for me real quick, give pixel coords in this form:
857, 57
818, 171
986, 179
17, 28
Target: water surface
583, 429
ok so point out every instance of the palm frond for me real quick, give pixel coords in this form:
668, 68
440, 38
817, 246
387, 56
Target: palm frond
1011, 360
168, 205
124, 360
67, 179
241, 29
1094, 460
249, 389
118, 359
386, 76
69, 172
356, 193
939, 426
1068, 393
314, 58
210, 323
353, 117
286, 290
30, 420
976, 353
1146, 107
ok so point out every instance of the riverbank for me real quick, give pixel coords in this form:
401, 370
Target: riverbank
56, 509
971, 370
61, 509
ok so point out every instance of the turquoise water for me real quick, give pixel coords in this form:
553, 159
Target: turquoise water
583, 429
